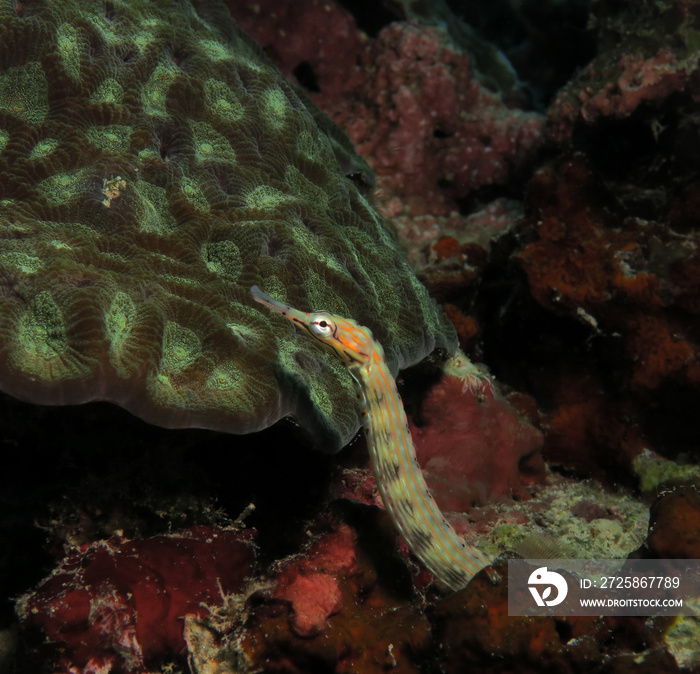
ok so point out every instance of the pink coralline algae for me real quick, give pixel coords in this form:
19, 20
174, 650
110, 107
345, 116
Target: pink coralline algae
474, 447
320, 34
119, 605
433, 132
409, 102
326, 611
309, 582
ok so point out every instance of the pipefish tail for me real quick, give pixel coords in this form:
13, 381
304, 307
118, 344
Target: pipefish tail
401, 483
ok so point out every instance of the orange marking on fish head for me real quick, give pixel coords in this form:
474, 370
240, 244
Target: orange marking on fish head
348, 340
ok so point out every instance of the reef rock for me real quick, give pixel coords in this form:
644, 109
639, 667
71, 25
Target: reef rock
119, 605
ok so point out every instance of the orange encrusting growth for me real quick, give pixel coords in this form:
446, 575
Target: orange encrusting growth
401, 483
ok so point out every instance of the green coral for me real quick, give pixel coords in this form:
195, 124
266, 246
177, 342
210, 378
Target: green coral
154, 166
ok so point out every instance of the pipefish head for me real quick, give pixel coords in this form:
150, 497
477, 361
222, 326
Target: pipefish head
351, 342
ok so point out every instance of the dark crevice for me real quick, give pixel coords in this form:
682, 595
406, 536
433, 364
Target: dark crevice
371, 16
306, 77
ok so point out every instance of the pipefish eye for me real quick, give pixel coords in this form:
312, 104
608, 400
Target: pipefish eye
321, 326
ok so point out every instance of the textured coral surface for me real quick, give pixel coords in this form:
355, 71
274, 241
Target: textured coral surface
153, 166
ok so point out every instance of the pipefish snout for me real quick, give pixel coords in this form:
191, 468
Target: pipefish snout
393, 457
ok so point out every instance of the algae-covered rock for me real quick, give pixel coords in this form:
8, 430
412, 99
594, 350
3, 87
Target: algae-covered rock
154, 166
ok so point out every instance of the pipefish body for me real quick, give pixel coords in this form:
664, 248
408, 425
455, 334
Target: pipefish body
393, 457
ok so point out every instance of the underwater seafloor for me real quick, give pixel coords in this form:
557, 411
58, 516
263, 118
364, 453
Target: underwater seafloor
551, 207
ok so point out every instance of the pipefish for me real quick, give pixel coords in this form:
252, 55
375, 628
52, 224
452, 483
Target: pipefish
393, 457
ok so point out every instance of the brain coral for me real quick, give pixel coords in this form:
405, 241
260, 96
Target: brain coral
154, 166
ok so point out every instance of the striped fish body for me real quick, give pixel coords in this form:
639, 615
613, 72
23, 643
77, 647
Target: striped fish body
393, 458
